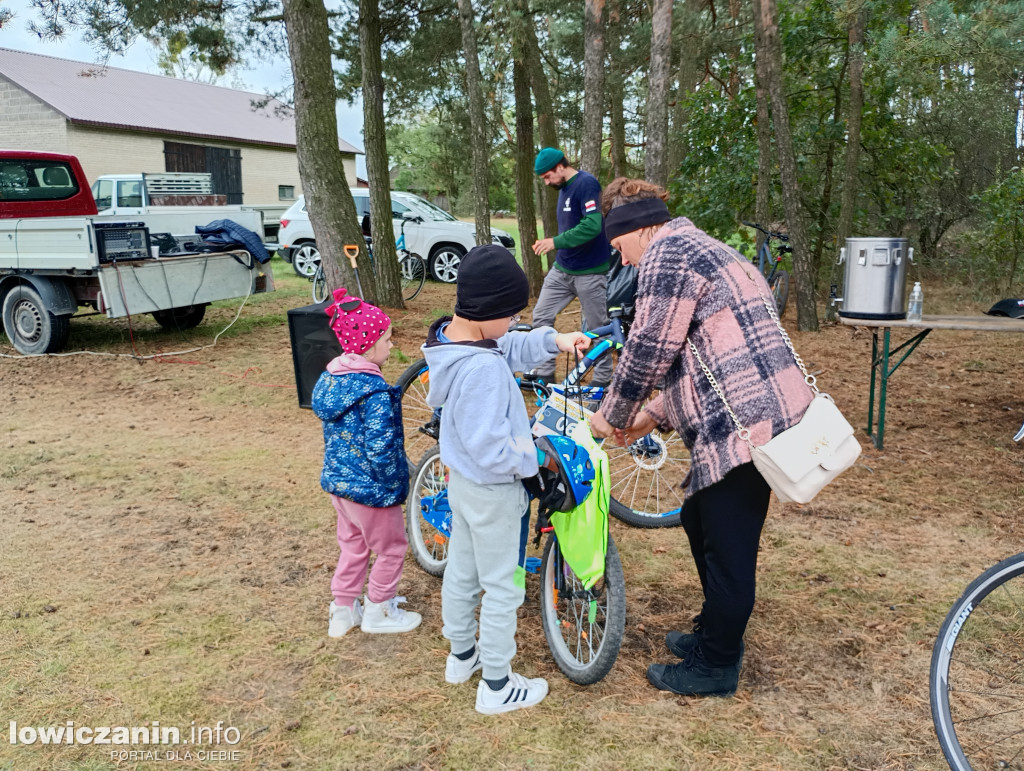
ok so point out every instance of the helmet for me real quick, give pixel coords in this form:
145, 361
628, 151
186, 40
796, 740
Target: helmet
569, 486
1009, 307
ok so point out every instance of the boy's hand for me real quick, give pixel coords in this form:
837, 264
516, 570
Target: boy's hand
573, 341
543, 246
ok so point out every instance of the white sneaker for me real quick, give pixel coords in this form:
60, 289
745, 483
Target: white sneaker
341, 619
518, 693
386, 617
457, 670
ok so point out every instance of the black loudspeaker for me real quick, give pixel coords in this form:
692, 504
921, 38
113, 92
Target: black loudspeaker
313, 346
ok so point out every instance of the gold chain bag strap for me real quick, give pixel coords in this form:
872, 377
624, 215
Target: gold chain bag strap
801, 460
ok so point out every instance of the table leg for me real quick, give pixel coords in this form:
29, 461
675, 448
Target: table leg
881, 373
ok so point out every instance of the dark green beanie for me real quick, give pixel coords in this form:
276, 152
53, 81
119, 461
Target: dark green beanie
547, 159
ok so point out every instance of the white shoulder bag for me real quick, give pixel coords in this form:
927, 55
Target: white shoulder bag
801, 460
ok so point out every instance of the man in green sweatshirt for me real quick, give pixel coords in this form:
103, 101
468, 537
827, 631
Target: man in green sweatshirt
583, 255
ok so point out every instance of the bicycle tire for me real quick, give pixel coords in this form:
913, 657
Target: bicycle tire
418, 422
414, 275
564, 615
428, 544
976, 680
645, 479
319, 285
780, 289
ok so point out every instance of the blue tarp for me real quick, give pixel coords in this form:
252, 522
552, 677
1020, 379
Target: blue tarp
230, 232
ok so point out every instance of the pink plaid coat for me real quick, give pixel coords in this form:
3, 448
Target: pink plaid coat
692, 285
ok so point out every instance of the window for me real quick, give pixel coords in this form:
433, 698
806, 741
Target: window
31, 180
286, 192
362, 205
103, 192
398, 209
129, 192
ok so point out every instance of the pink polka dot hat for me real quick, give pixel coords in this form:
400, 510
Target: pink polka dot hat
357, 324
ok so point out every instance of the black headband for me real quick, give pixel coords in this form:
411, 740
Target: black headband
633, 216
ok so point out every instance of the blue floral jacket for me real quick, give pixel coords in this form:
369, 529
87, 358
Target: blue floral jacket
364, 454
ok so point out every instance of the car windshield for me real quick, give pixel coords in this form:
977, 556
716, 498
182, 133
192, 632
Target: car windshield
433, 212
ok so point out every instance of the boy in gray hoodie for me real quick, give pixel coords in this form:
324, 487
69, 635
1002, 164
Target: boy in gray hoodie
487, 444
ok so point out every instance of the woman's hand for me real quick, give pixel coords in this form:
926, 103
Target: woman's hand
601, 428
643, 424
573, 341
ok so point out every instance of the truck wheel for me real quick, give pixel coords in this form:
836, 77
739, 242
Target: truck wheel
180, 318
305, 258
445, 261
30, 327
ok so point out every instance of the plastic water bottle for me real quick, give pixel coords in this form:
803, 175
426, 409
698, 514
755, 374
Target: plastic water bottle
916, 302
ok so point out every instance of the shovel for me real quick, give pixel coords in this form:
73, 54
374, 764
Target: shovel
352, 252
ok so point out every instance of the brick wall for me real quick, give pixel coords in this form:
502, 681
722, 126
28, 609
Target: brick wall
28, 124
104, 151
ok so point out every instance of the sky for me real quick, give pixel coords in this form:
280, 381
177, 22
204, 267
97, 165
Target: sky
264, 76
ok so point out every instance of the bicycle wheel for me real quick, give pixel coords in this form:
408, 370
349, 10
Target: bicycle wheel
319, 285
428, 520
414, 274
583, 628
418, 419
645, 478
977, 673
780, 289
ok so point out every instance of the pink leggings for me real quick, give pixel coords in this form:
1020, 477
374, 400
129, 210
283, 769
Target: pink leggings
361, 530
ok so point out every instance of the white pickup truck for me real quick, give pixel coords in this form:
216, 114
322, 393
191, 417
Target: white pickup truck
176, 202
56, 254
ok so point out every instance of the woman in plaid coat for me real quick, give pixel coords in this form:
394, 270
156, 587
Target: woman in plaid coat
694, 287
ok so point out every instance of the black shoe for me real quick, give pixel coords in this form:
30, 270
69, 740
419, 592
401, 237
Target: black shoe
682, 644
695, 677
600, 383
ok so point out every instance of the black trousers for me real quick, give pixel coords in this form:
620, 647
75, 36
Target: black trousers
723, 523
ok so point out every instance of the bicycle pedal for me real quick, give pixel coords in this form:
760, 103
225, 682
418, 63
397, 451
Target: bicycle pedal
532, 565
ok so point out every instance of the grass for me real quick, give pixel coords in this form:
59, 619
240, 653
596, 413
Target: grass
166, 554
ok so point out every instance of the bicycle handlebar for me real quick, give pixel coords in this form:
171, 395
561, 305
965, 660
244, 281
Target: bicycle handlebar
769, 233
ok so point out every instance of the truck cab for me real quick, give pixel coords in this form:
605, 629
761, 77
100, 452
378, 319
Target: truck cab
34, 184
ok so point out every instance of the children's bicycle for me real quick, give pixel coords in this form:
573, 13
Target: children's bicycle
770, 264
412, 267
645, 477
583, 626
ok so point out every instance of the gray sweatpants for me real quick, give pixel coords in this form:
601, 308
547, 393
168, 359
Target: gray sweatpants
483, 555
559, 289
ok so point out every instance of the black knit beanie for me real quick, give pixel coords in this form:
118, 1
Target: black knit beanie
491, 285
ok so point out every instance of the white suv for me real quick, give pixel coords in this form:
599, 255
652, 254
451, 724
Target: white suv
435, 235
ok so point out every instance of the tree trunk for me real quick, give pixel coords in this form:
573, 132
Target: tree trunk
655, 155
478, 125
385, 258
545, 123
593, 86
526, 215
614, 84
763, 198
332, 212
848, 203
765, 15
688, 76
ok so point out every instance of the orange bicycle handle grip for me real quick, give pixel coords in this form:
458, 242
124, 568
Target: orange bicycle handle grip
352, 251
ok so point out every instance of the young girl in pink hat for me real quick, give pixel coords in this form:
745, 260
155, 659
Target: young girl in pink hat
365, 470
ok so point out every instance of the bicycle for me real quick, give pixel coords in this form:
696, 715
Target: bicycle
976, 679
583, 626
411, 265
770, 265
645, 476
